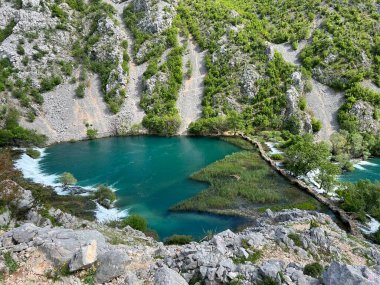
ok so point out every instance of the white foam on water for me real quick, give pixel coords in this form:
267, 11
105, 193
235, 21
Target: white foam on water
365, 162
370, 227
358, 166
104, 215
273, 148
31, 169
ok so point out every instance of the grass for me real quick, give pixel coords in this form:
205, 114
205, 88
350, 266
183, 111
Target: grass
33, 153
253, 257
296, 238
10, 263
243, 179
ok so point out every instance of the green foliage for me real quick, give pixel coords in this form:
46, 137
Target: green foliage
33, 153
316, 125
7, 31
178, 240
277, 156
92, 133
313, 269
67, 179
296, 238
58, 12
89, 278
48, 83
104, 193
134, 221
10, 263
360, 198
326, 176
302, 103
252, 257
356, 92
267, 281
209, 126
242, 179
301, 156
6, 70
80, 91
14, 135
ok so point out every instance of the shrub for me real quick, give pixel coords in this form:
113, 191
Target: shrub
79, 92
302, 103
104, 193
316, 125
67, 179
92, 133
48, 83
313, 269
277, 156
135, 221
178, 239
10, 263
33, 153
296, 238
253, 257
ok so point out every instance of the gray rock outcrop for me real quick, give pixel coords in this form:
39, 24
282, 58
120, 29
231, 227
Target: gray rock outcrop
344, 274
167, 276
111, 264
364, 112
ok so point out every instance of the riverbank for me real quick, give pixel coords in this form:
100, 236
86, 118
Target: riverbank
341, 214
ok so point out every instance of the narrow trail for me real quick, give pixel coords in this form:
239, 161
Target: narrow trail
130, 112
189, 102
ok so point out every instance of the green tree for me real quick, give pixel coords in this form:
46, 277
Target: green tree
235, 122
305, 155
327, 173
67, 179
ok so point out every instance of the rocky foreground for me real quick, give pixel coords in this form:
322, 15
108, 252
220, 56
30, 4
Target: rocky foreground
278, 248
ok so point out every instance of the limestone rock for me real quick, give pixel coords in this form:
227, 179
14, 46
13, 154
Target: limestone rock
343, 274
84, 257
167, 276
249, 86
158, 15
364, 112
111, 265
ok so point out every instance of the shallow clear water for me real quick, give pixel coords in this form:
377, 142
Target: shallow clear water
364, 170
151, 174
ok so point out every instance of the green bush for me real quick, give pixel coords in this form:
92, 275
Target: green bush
104, 193
316, 125
67, 179
313, 269
7, 31
296, 238
80, 91
10, 263
33, 153
178, 239
302, 103
277, 156
135, 221
48, 83
92, 133
14, 135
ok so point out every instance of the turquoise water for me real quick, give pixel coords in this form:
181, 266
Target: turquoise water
151, 174
366, 170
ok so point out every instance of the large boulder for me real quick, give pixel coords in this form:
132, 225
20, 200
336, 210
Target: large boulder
112, 264
343, 274
167, 276
85, 256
